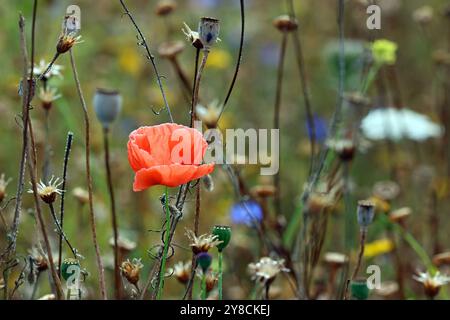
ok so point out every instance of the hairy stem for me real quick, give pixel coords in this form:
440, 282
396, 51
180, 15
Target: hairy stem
117, 280
89, 178
166, 246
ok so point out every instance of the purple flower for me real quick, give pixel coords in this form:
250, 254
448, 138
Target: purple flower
320, 129
246, 212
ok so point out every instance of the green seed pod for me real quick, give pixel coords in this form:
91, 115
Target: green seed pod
66, 270
204, 260
359, 290
223, 234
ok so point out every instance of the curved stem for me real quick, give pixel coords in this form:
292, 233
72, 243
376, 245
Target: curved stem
166, 246
117, 281
61, 231
204, 291
89, 178
239, 59
150, 57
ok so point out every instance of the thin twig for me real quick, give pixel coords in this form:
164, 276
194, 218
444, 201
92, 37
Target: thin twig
143, 42
117, 280
276, 117
63, 194
89, 178
239, 59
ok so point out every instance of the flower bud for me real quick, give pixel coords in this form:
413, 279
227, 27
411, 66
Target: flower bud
365, 212
204, 260
223, 234
208, 31
359, 290
107, 106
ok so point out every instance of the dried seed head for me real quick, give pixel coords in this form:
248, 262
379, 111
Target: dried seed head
107, 106
442, 259
365, 213
131, 270
182, 271
386, 190
81, 195
202, 243
211, 279
423, 15
285, 23
263, 191
208, 31
66, 42
192, 36
345, 148
47, 96
335, 259
266, 269
169, 50
3, 184
399, 215
432, 283
48, 192
165, 7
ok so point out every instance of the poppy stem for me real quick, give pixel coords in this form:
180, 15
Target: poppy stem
204, 291
89, 178
220, 284
117, 280
166, 245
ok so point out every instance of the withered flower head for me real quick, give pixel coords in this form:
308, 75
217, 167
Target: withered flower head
131, 270
165, 7
47, 96
345, 148
203, 242
423, 15
263, 191
386, 190
432, 284
81, 195
3, 184
209, 115
285, 23
211, 279
169, 50
125, 245
39, 259
335, 259
69, 36
266, 269
47, 192
442, 259
192, 36
400, 215
182, 271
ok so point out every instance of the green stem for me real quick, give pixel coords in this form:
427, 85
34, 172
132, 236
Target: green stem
166, 245
204, 286
220, 275
370, 78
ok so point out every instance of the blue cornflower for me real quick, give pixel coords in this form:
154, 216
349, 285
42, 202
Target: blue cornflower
246, 212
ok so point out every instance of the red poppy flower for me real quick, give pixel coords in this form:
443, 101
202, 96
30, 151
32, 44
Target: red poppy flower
167, 154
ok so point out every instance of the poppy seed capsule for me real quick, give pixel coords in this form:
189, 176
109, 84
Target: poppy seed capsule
208, 31
68, 267
365, 213
223, 234
285, 23
107, 106
359, 289
204, 260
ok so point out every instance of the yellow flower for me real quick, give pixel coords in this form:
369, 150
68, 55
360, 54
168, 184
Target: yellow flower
384, 51
380, 204
129, 61
219, 59
378, 247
